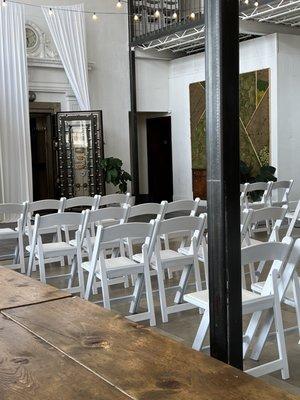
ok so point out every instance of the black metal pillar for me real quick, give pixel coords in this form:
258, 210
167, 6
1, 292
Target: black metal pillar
133, 134
222, 142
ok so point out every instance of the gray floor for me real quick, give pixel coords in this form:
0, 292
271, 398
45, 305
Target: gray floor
182, 326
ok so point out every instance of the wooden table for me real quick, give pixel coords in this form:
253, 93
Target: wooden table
127, 359
19, 290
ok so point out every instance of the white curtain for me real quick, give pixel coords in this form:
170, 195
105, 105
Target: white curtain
67, 27
15, 152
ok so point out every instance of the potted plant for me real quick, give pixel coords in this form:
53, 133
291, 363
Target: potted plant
115, 174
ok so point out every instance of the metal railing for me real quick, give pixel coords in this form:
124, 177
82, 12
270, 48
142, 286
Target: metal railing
150, 16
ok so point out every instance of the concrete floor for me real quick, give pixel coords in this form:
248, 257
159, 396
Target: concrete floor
182, 326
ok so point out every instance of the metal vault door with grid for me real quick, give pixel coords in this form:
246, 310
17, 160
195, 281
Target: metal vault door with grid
80, 151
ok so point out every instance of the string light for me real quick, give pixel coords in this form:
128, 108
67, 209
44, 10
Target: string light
95, 17
193, 15
246, 1
119, 4
174, 16
256, 4
4, 4
136, 17
156, 14
51, 13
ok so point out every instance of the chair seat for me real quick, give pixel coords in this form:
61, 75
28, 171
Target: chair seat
250, 300
8, 233
186, 251
169, 258
116, 266
56, 249
289, 294
252, 242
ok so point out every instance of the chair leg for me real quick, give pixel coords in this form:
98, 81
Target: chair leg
183, 284
80, 279
149, 296
42, 267
21, 254
202, 331
105, 290
89, 284
58, 237
31, 261
72, 273
280, 339
262, 337
296, 290
250, 331
137, 294
162, 294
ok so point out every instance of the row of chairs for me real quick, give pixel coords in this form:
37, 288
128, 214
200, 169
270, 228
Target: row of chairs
272, 193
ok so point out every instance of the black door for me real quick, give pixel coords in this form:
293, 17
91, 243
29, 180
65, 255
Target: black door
43, 156
159, 146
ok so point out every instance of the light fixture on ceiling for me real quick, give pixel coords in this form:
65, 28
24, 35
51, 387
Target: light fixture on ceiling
256, 4
119, 4
136, 17
95, 17
156, 14
246, 1
51, 13
174, 16
4, 4
193, 15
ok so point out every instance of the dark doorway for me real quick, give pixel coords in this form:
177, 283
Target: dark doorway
159, 147
43, 150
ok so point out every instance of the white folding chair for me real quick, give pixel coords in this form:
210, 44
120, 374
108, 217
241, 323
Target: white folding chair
203, 248
247, 188
273, 216
12, 213
280, 192
81, 203
44, 252
175, 209
93, 219
293, 216
105, 268
267, 303
114, 200
162, 260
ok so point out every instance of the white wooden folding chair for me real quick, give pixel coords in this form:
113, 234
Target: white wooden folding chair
104, 268
114, 200
203, 248
280, 192
293, 216
266, 304
93, 219
80, 203
43, 207
273, 216
12, 213
56, 250
192, 227
175, 209
264, 187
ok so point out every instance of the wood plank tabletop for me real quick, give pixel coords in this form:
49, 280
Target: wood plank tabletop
145, 364
32, 369
19, 290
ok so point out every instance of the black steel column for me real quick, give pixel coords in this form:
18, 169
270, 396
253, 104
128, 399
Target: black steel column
133, 134
222, 142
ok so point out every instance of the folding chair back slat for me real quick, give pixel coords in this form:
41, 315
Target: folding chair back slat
82, 201
59, 219
183, 206
112, 199
127, 230
45, 205
148, 209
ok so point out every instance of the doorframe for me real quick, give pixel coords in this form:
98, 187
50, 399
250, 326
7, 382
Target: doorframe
50, 108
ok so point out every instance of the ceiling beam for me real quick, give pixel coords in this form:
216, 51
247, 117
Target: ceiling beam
266, 28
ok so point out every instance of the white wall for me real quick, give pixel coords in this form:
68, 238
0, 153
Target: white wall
254, 54
107, 45
288, 99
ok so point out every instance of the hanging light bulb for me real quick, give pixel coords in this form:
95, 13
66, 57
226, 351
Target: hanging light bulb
156, 14
119, 4
246, 1
193, 16
4, 4
51, 13
95, 17
256, 4
136, 17
174, 16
